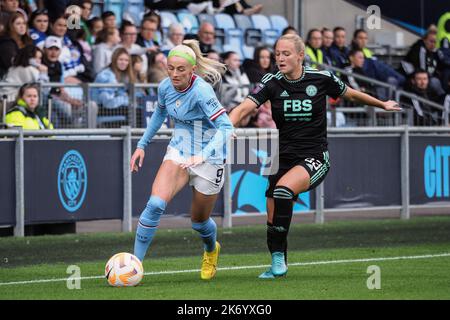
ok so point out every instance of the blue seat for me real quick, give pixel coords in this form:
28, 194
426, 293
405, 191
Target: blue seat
252, 36
97, 8
248, 52
237, 49
115, 6
233, 35
262, 23
224, 21
189, 21
167, 18
135, 9
278, 23
206, 17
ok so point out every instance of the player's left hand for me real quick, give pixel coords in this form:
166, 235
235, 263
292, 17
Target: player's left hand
192, 162
391, 106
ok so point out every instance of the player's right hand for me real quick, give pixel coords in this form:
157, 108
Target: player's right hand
138, 156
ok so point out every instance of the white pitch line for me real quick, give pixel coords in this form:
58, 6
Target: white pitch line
296, 264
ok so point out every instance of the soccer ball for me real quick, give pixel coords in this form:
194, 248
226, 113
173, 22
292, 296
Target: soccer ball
124, 270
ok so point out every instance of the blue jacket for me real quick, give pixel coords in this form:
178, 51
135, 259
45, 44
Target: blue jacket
109, 98
339, 56
379, 70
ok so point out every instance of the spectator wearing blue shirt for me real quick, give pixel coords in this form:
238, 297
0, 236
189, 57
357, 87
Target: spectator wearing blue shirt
146, 37
339, 51
38, 27
114, 101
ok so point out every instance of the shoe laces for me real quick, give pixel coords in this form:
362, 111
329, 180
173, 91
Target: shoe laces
278, 259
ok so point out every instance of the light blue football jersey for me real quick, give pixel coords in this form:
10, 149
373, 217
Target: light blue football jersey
193, 111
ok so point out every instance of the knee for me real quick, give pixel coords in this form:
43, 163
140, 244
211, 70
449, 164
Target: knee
154, 209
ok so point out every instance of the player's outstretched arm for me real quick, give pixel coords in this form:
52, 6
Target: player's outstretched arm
153, 126
241, 111
361, 97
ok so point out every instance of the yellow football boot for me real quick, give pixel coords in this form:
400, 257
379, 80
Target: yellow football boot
209, 264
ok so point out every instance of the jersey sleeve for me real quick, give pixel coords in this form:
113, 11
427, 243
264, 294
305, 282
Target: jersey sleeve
209, 103
161, 94
335, 86
260, 94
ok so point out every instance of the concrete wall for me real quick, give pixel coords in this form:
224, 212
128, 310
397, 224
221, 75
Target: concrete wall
330, 13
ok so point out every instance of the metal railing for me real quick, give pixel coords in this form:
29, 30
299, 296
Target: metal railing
366, 116
86, 105
127, 134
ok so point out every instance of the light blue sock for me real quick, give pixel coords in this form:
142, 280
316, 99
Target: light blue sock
208, 232
147, 225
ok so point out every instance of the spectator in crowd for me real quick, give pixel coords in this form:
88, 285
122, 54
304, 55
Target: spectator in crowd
8, 7
128, 35
38, 27
374, 68
313, 51
359, 41
106, 42
27, 67
95, 26
80, 38
356, 57
155, 17
176, 37
27, 113
114, 101
213, 55
339, 51
289, 30
14, 37
75, 68
157, 67
242, 7
423, 55
263, 62
86, 10
136, 65
237, 83
424, 115
206, 36
52, 51
65, 107
146, 37
327, 41
109, 19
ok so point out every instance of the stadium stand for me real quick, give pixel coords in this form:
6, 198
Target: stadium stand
242, 34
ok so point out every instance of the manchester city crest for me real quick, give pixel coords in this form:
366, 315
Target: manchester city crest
72, 180
311, 90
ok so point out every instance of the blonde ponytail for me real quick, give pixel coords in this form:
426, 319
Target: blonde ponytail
208, 69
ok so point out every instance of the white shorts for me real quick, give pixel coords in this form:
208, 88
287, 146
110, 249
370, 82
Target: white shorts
206, 178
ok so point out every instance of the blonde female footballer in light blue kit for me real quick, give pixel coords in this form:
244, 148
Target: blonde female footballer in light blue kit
196, 153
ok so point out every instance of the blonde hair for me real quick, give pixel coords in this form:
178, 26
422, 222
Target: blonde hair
208, 69
294, 38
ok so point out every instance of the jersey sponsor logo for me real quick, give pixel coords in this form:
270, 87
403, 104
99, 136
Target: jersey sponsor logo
72, 180
311, 90
297, 105
297, 110
213, 103
284, 94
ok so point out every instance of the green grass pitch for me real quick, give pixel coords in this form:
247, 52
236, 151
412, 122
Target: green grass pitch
327, 261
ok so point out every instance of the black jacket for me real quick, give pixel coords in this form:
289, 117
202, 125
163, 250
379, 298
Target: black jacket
9, 49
